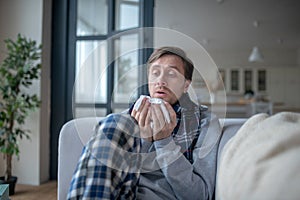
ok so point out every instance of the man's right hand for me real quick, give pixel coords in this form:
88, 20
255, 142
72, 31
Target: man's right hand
143, 117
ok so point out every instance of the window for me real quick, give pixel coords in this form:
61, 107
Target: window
127, 14
235, 80
106, 56
261, 80
91, 63
92, 17
248, 80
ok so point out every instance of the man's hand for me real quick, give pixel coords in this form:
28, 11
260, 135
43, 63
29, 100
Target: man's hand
143, 117
160, 128
151, 120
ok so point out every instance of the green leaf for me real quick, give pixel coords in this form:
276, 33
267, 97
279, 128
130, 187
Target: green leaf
17, 71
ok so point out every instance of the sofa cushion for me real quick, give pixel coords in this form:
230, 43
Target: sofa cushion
262, 160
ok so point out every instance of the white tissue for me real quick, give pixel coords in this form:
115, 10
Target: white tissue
153, 101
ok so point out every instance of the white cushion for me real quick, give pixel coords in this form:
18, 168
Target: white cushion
262, 161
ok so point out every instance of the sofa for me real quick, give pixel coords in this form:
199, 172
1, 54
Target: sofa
75, 134
251, 153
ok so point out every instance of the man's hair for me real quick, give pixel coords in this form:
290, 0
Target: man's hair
187, 63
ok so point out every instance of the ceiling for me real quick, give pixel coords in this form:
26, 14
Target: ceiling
230, 24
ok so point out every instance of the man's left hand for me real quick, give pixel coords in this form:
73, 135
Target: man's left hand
162, 129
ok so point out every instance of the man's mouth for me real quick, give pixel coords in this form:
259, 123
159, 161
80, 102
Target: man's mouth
160, 94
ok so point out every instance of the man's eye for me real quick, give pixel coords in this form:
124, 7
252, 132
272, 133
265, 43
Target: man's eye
171, 73
155, 73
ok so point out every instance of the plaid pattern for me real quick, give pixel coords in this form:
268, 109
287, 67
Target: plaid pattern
110, 165
102, 171
188, 126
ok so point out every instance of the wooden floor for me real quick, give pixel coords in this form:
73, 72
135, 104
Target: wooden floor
46, 191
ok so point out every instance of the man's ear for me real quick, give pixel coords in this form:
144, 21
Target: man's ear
186, 85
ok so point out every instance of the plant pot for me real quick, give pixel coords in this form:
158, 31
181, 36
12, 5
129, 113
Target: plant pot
12, 183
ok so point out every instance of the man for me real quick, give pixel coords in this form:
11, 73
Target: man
141, 155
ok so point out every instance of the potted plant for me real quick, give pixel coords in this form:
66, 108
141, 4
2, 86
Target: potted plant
17, 73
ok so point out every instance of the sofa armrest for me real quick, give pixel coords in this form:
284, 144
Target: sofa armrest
73, 136
230, 128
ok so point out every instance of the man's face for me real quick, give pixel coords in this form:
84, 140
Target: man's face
166, 78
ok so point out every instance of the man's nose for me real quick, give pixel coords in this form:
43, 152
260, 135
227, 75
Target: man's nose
161, 80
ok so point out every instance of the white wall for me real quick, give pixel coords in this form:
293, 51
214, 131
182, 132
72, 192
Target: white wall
282, 64
26, 17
